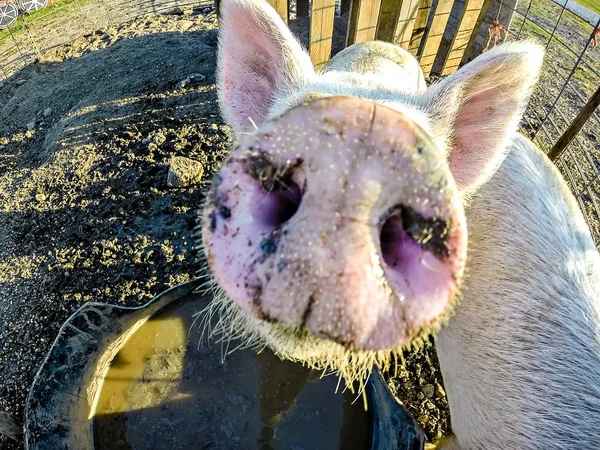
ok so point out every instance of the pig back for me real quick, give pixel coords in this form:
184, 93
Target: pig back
391, 62
521, 358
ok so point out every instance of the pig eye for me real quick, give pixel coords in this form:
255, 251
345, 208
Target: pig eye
279, 203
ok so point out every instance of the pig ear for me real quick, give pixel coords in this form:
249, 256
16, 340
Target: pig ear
478, 109
258, 55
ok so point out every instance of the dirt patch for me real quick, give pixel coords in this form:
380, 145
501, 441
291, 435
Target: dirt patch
61, 21
86, 214
85, 210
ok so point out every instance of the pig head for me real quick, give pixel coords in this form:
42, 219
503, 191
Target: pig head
335, 231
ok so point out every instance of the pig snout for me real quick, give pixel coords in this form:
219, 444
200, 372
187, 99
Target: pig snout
339, 218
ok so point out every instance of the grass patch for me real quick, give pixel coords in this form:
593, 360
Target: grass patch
592, 5
530, 30
40, 14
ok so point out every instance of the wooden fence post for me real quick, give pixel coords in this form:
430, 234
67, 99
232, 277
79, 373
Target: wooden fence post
462, 36
480, 20
420, 26
281, 6
321, 31
363, 21
435, 34
38, 53
576, 126
396, 21
406, 23
388, 19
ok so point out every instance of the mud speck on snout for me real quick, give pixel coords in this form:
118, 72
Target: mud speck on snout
270, 175
256, 294
268, 245
224, 212
218, 200
216, 183
213, 221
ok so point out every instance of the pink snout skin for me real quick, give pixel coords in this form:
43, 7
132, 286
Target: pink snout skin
340, 217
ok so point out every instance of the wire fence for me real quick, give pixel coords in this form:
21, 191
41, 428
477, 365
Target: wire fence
568, 86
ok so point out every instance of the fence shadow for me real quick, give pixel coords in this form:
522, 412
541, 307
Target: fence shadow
104, 89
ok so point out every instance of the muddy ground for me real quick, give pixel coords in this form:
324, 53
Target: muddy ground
86, 140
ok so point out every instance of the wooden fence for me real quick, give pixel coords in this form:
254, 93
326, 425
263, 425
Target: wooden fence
415, 25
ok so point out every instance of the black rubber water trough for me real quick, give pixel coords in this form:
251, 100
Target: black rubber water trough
137, 378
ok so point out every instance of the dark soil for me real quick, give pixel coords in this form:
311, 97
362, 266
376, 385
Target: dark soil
419, 386
85, 210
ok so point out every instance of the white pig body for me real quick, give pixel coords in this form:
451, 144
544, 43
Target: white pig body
390, 63
521, 358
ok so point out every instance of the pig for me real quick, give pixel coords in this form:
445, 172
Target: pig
521, 357
314, 255
335, 232
260, 212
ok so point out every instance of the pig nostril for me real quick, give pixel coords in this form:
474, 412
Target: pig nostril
406, 233
392, 238
278, 204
